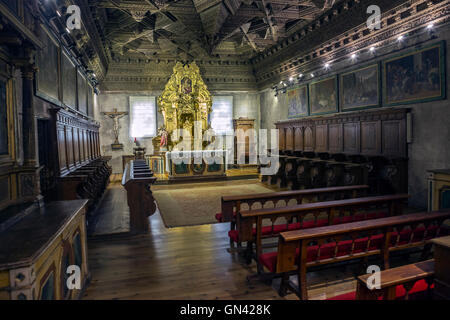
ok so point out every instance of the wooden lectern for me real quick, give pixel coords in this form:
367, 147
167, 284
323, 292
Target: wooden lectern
137, 180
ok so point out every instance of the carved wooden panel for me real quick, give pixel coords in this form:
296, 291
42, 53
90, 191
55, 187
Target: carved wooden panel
69, 146
61, 136
322, 138
335, 138
76, 147
298, 139
289, 139
378, 132
281, 139
76, 140
393, 138
309, 139
371, 138
351, 138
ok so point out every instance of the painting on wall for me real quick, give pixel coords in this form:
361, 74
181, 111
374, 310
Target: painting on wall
47, 78
417, 76
297, 100
360, 88
69, 81
323, 96
82, 93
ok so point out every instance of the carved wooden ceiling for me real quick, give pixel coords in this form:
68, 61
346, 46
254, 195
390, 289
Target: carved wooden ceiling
188, 29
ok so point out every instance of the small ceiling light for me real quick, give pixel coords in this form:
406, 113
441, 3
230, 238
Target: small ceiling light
58, 13
300, 75
291, 79
372, 49
94, 75
67, 29
312, 75
430, 26
353, 56
284, 84
327, 65
281, 82
400, 38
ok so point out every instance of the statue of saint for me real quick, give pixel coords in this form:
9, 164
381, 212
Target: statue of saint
162, 132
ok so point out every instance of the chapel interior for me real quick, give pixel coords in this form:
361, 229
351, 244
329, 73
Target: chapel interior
224, 149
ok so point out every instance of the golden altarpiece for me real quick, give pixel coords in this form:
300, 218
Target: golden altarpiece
185, 105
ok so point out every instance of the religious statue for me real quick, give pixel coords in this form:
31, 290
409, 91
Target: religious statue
115, 116
162, 132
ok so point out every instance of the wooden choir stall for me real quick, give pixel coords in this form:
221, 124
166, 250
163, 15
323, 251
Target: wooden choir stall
366, 147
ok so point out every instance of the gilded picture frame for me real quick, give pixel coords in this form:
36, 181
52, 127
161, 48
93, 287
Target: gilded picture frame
415, 76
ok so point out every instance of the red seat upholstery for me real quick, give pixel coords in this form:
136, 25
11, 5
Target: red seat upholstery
419, 287
219, 216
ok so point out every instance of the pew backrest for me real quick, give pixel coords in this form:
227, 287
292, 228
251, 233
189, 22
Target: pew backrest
231, 204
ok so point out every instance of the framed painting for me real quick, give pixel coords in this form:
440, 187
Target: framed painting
323, 96
69, 81
47, 77
297, 100
417, 76
82, 93
360, 88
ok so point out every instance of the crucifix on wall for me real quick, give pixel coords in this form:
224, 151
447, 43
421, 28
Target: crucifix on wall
115, 116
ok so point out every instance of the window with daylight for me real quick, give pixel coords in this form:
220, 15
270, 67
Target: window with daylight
142, 117
222, 115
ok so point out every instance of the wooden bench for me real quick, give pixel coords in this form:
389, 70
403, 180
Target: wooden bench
349, 241
411, 281
137, 180
233, 204
358, 209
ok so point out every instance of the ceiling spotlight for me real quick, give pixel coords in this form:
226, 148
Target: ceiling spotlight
300, 75
291, 79
327, 65
400, 38
372, 49
94, 75
353, 56
284, 84
312, 75
430, 26
281, 82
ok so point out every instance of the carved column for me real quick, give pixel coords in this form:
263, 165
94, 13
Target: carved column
28, 120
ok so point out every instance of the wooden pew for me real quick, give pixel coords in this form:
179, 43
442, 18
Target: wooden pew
137, 180
335, 214
412, 281
355, 240
398, 282
231, 205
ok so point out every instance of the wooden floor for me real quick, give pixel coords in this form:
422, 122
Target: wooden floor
187, 263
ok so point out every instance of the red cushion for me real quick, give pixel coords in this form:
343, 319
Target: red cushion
400, 292
234, 235
219, 216
345, 296
269, 260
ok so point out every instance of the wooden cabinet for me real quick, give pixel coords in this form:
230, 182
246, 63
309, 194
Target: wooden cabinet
242, 145
438, 189
441, 267
38, 269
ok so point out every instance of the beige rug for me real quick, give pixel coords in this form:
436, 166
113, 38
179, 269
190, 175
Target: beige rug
190, 204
